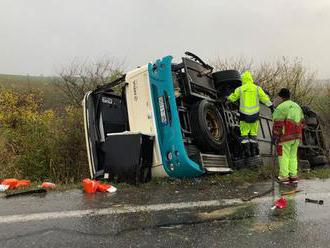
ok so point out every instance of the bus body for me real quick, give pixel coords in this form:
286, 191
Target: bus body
181, 106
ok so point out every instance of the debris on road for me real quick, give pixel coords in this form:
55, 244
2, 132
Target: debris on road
280, 203
291, 192
25, 192
91, 186
256, 195
320, 202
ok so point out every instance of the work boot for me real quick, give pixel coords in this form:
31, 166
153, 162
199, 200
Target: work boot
246, 149
254, 145
294, 179
254, 149
283, 180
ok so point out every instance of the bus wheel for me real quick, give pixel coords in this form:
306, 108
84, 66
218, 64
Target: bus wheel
207, 126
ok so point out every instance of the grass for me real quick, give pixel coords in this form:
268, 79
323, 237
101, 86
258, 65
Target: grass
321, 173
236, 178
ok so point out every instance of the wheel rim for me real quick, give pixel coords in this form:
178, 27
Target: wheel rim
214, 125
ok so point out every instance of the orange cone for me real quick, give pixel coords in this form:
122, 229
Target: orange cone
106, 188
103, 187
48, 185
90, 186
23, 183
11, 182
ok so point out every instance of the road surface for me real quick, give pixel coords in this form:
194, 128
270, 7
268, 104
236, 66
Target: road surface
191, 216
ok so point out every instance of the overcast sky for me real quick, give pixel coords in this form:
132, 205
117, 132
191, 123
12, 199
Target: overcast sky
38, 36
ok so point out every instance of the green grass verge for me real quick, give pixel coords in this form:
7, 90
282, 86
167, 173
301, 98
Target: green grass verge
321, 173
237, 178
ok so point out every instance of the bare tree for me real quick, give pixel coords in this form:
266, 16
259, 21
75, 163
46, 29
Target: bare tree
240, 64
289, 73
322, 106
79, 77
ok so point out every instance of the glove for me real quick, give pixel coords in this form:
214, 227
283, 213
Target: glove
228, 104
274, 140
225, 101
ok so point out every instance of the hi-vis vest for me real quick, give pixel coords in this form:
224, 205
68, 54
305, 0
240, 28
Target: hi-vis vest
250, 95
288, 121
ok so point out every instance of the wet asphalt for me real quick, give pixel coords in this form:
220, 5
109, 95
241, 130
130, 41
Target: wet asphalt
238, 224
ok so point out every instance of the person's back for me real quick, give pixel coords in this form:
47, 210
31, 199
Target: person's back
287, 131
249, 96
291, 114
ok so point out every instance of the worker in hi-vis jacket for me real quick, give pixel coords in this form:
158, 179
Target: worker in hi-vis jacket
287, 133
250, 96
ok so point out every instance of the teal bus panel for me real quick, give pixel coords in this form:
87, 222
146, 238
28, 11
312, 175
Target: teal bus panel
174, 156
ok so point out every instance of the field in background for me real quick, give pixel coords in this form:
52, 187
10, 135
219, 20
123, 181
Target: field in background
41, 135
53, 98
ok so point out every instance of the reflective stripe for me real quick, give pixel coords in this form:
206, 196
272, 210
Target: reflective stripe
268, 103
257, 95
249, 113
249, 110
241, 101
253, 139
252, 107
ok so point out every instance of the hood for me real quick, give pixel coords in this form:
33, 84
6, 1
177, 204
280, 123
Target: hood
247, 78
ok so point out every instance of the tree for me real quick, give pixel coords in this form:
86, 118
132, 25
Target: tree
284, 72
322, 106
79, 77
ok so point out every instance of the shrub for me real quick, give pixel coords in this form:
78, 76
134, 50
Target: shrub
38, 144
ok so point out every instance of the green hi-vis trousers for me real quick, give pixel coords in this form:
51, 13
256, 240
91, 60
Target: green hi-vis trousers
249, 128
288, 158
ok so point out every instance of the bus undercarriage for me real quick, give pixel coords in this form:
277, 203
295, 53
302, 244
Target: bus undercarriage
192, 130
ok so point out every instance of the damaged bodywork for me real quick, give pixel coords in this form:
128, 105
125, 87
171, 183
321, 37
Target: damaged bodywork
181, 108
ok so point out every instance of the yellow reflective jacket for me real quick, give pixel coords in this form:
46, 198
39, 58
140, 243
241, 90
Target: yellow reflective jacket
249, 95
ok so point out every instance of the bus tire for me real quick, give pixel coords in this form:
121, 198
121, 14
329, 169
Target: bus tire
207, 126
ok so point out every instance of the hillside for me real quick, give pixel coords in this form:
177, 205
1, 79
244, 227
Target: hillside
53, 97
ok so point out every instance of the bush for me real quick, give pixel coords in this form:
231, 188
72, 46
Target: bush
38, 144
322, 105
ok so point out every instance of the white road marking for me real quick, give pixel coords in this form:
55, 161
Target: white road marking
147, 208
113, 210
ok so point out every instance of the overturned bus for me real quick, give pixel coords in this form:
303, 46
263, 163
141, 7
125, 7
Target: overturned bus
170, 119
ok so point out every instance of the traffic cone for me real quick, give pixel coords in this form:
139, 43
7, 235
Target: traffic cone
23, 183
48, 185
280, 203
106, 188
15, 183
90, 186
11, 182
